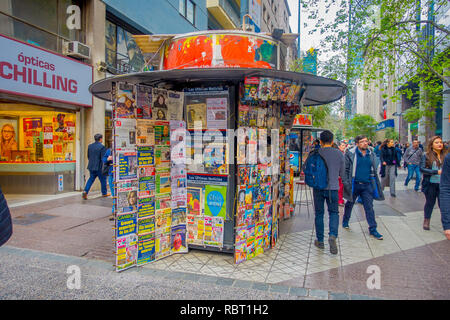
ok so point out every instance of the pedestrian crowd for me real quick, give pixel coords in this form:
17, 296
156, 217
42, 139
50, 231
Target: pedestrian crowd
361, 170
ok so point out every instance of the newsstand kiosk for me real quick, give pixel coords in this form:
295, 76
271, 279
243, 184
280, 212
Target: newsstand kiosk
200, 153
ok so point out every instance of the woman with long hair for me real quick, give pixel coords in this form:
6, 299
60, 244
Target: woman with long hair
389, 163
431, 167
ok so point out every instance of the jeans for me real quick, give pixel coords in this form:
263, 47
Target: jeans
365, 192
332, 199
411, 169
389, 178
111, 184
431, 194
94, 174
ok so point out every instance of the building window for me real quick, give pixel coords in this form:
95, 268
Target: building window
187, 10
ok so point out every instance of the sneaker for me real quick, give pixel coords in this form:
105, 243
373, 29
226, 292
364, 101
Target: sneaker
319, 244
333, 246
84, 195
345, 225
376, 235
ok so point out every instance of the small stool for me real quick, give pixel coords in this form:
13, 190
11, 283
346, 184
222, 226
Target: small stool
303, 187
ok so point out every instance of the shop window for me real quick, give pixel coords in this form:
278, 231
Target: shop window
122, 54
187, 10
37, 136
42, 23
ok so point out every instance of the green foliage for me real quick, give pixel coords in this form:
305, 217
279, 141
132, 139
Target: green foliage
391, 133
319, 113
360, 124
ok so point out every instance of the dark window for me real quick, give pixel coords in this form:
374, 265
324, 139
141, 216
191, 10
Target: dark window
187, 10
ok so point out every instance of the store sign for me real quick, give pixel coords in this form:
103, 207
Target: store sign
303, 119
385, 124
30, 71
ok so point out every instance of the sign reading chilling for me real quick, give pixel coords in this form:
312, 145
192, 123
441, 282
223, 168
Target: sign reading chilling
27, 70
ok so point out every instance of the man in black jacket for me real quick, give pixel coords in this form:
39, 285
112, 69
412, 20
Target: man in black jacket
96, 151
6, 227
445, 195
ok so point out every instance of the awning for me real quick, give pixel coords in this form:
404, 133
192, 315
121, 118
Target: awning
319, 90
307, 128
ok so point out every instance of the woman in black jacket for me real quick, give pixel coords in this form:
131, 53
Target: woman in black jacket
431, 167
5, 220
389, 162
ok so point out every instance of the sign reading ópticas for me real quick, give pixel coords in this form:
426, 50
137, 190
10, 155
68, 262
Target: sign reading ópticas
28, 70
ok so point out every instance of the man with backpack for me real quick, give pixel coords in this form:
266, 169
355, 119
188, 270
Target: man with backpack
322, 169
361, 180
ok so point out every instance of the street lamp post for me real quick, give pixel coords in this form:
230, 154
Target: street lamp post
396, 114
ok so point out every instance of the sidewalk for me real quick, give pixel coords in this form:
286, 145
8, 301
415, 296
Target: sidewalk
414, 264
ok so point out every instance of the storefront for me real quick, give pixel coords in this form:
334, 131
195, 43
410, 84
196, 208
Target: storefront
41, 99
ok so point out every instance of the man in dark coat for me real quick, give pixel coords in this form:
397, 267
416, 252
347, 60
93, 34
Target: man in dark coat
96, 151
444, 195
6, 227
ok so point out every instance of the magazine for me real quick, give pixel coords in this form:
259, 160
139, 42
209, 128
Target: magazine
162, 180
195, 229
162, 133
145, 156
276, 89
146, 207
214, 228
126, 252
125, 103
194, 201
162, 156
146, 225
178, 143
160, 108
146, 249
143, 102
285, 88
127, 165
265, 84
163, 218
179, 216
125, 134
175, 103
178, 239
126, 224
127, 196
196, 113
251, 86
146, 176
145, 132
244, 120
216, 112
162, 243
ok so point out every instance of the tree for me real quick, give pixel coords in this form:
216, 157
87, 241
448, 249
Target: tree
389, 42
391, 133
360, 124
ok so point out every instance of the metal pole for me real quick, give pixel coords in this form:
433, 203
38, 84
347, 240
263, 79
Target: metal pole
299, 12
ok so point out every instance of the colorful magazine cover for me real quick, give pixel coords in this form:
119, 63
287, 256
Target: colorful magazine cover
243, 115
162, 133
276, 89
125, 131
175, 103
163, 201
240, 252
240, 215
162, 180
145, 225
145, 132
127, 165
250, 247
252, 116
127, 196
146, 178
143, 102
160, 109
145, 156
125, 101
194, 201
291, 94
196, 113
214, 228
179, 216
162, 243
259, 245
215, 201
162, 156
195, 229
126, 252
178, 143
262, 117
216, 113
126, 223
251, 86
146, 207
178, 239
243, 174
265, 84
163, 218
285, 88
146, 249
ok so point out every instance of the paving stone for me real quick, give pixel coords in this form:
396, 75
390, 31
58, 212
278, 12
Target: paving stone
278, 288
321, 294
242, 284
225, 281
260, 286
339, 296
303, 292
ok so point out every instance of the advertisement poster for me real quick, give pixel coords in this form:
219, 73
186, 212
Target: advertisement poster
127, 196
178, 239
125, 102
125, 134
175, 103
216, 113
196, 113
144, 102
126, 252
160, 108
127, 165
145, 133
145, 156
146, 181
146, 248
146, 207
215, 201
126, 224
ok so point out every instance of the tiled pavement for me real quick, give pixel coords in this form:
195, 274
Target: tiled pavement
414, 263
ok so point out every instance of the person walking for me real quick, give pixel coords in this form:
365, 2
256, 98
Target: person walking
376, 150
412, 158
361, 180
6, 226
96, 151
444, 195
334, 161
431, 167
343, 148
404, 148
389, 162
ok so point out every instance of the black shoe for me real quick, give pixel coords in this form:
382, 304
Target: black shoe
393, 195
333, 246
319, 245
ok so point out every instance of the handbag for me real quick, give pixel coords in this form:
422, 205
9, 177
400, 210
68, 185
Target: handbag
105, 168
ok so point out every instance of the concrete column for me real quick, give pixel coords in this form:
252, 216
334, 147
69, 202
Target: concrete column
94, 118
445, 113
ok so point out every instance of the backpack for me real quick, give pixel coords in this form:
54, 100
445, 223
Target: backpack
316, 171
